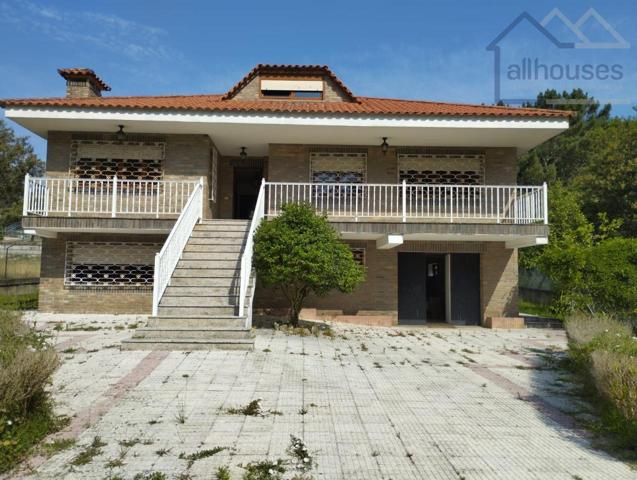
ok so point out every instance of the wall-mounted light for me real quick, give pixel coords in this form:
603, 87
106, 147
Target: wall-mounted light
243, 155
384, 146
120, 135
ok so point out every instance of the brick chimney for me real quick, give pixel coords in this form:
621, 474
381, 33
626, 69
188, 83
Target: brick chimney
82, 83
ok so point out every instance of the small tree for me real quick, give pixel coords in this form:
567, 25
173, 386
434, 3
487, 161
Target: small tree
300, 253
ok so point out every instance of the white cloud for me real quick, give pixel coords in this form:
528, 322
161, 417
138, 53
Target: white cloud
109, 32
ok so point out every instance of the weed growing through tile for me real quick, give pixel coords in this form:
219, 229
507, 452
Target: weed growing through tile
198, 455
375, 453
264, 470
89, 452
252, 409
180, 416
223, 473
162, 452
364, 347
69, 350
303, 411
303, 461
150, 476
57, 446
131, 442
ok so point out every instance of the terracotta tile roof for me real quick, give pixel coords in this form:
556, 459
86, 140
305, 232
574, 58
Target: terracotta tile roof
74, 73
217, 103
301, 70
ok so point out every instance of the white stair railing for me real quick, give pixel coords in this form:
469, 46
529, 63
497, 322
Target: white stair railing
246, 257
167, 258
105, 197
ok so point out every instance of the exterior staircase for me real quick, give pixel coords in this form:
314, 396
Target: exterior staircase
199, 308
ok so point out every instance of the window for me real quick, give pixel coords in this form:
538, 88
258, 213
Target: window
441, 169
359, 255
96, 159
338, 167
110, 264
293, 89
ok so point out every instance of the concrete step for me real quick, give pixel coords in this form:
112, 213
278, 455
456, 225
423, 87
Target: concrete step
199, 264
197, 321
181, 272
198, 301
188, 344
209, 240
210, 282
224, 227
212, 248
202, 333
224, 221
218, 234
229, 291
211, 256
196, 310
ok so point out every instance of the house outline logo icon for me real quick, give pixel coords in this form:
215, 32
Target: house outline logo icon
575, 27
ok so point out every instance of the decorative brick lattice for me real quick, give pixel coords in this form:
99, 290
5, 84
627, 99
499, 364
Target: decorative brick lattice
103, 159
359, 255
441, 169
110, 264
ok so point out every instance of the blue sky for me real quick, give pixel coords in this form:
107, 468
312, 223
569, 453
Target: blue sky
434, 50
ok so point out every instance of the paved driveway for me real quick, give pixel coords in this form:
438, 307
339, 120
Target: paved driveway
370, 403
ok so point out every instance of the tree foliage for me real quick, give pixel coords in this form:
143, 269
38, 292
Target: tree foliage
16, 159
300, 253
592, 172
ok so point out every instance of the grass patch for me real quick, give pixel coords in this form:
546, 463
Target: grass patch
150, 476
23, 301
21, 266
603, 358
539, 309
89, 452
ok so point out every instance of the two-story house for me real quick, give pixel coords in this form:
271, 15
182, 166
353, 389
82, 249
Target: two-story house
150, 203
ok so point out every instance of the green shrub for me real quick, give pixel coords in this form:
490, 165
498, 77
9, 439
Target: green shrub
300, 253
27, 363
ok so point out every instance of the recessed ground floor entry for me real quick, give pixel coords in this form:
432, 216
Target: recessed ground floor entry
434, 287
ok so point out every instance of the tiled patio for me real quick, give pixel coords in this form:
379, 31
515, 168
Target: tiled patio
370, 403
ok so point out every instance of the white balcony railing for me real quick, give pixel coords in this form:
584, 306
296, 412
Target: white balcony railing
410, 202
113, 197
167, 258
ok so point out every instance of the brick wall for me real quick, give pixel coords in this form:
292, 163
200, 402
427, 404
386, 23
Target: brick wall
187, 157
251, 91
54, 297
379, 292
499, 281
291, 163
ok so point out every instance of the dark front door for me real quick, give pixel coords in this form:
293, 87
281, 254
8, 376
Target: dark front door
412, 301
247, 182
435, 288
465, 288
